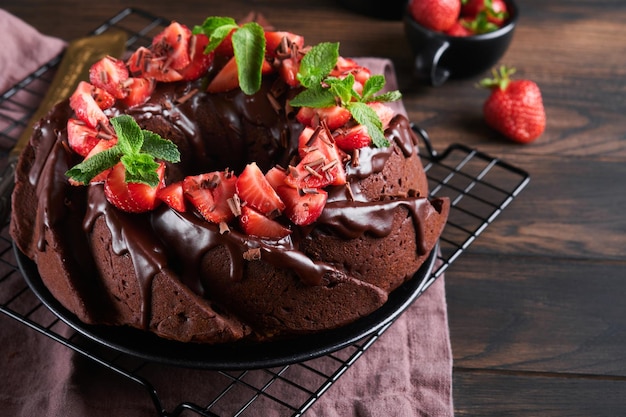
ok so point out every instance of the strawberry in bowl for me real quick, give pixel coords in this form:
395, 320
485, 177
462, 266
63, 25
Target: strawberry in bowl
458, 39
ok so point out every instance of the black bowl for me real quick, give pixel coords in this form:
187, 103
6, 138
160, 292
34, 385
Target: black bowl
439, 57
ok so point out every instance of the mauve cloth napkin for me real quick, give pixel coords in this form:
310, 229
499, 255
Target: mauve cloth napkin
407, 372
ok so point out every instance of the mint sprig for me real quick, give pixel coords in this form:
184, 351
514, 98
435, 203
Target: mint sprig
248, 47
322, 90
137, 149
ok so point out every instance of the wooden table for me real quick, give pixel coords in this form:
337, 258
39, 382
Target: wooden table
536, 305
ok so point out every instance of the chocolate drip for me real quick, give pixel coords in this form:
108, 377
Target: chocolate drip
353, 219
190, 238
130, 234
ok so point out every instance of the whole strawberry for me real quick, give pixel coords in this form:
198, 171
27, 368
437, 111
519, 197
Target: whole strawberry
437, 15
515, 107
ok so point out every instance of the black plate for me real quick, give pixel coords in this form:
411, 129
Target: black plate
233, 356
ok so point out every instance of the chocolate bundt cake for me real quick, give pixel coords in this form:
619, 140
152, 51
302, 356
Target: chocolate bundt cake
208, 191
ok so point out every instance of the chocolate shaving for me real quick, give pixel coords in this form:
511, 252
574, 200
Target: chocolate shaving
104, 135
313, 172
309, 142
329, 165
234, 204
187, 96
224, 228
355, 158
350, 193
274, 103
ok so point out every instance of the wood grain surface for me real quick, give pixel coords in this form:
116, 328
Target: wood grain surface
537, 304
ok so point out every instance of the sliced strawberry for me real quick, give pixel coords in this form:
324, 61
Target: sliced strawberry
321, 163
174, 196
225, 48
353, 138
209, 193
173, 44
335, 116
131, 196
256, 191
302, 208
136, 62
102, 145
81, 138
276, 177
138, 90
288, 70
226, 79
256, 224
310, 172
146, 64
109, 74
346, 66
200, 62
86, 101
384, 112
277, 43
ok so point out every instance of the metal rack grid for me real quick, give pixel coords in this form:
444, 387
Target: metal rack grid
479, 186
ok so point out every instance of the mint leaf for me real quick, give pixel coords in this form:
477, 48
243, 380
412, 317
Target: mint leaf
129, 136
318, 63
216, 29
160, 148
141, 168
342, 88
387, 97
249, 48
213, 23
372, 86
89, 168
315, 98
367, 117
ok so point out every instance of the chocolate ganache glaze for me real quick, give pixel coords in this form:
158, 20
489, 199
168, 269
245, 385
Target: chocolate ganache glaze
372, 235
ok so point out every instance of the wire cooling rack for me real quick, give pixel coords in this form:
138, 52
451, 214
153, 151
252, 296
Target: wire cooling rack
479, 186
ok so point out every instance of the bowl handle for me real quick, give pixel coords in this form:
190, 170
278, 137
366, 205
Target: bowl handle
427, 63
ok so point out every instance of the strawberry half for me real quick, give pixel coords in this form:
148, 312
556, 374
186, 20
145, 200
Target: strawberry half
256, 191
256, 224
173, 195
209, 193
131, 197
109, 74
